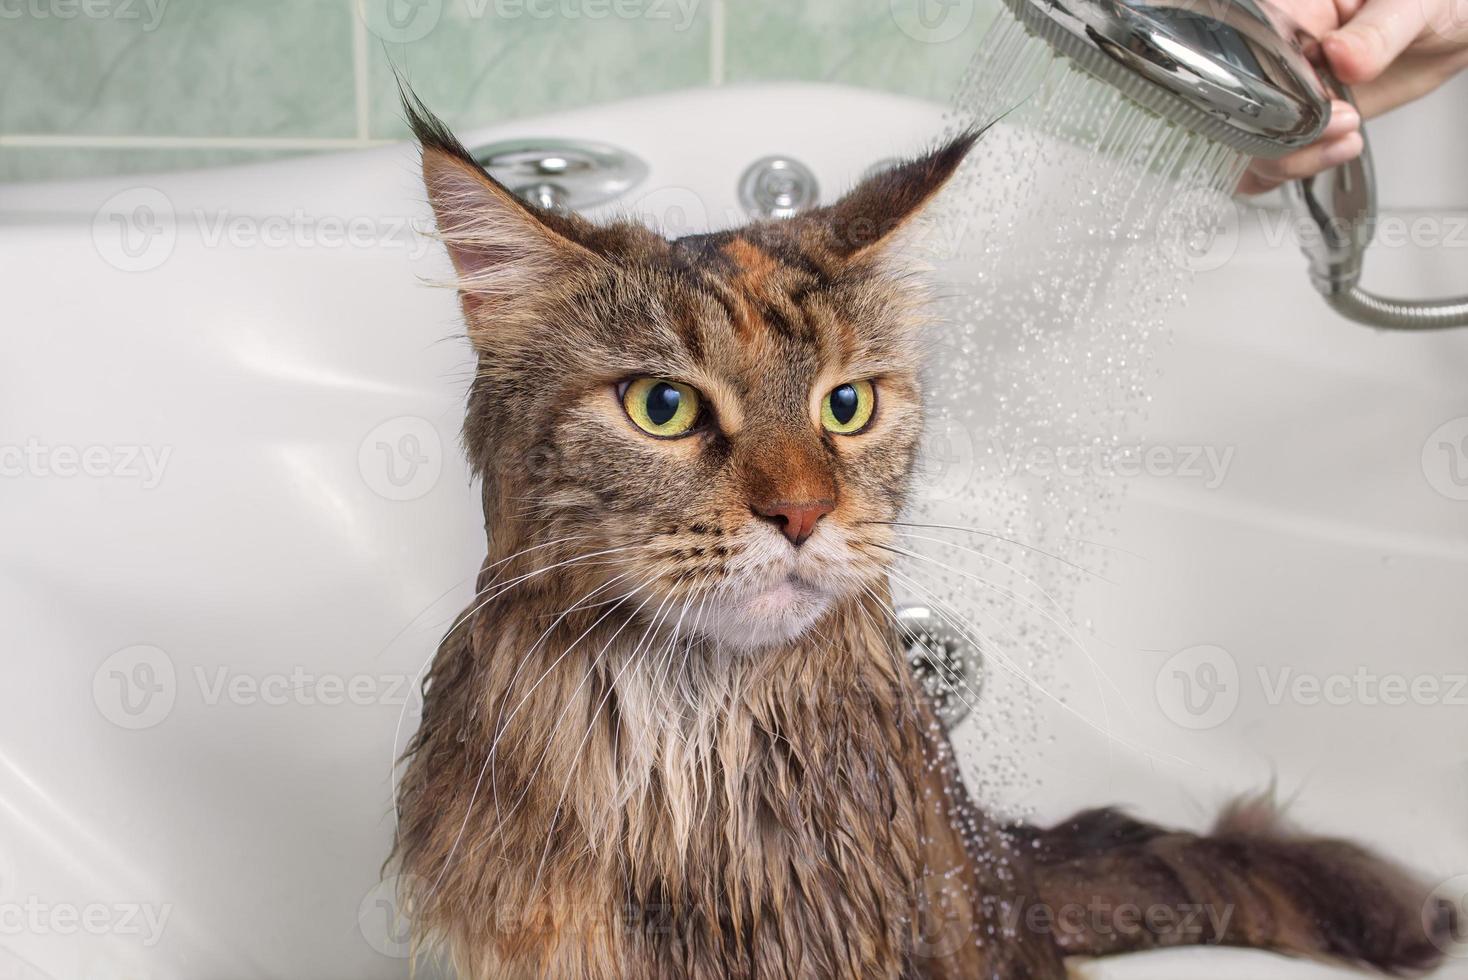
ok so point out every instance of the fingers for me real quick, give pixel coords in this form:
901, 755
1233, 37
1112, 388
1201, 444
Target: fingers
1266, 175
1318, 17
1372, 39
1398, 85
1344, 119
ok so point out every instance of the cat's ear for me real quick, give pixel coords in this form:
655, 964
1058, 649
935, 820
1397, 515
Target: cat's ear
501, 245
871, 214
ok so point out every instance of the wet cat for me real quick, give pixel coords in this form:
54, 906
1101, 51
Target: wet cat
674, 737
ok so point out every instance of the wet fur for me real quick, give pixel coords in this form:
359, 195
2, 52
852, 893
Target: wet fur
677, 781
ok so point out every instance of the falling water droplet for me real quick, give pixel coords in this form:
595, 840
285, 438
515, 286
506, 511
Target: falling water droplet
1073, 231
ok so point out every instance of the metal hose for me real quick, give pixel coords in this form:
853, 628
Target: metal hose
1338, 209
1337, 212
1357, 304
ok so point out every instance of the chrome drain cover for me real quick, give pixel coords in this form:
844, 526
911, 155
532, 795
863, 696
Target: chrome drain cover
948, 667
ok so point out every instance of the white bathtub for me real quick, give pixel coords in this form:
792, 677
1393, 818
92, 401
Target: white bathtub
237, 521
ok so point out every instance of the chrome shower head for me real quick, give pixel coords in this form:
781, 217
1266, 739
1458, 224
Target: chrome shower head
1242, 73
1235, 71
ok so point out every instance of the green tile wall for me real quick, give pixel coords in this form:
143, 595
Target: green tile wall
114, 86
264, 68
507, 61
917, 47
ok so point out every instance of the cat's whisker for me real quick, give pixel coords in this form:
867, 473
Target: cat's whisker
1045, 594
670, 649
666, 684
890, 613
1064, 628
495, 582
460, 619
661, 672
958, 683
966, 628
507, 586
484, 600
959, 622
1007, 540
633, 658
586, 677
898, 659
604, 602
489, 756
981, 641
409, 624
501, 722
1096, 673
530, 781
480, 591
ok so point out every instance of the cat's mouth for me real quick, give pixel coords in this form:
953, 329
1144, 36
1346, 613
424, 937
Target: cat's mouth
791, 590
778, 594
774, 613
754, 590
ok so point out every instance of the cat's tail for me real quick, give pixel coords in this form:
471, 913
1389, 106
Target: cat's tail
1111, 884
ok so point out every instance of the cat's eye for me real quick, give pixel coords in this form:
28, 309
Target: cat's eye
848, 408
662, 408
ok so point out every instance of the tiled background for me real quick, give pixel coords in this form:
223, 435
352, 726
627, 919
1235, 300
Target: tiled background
108, 86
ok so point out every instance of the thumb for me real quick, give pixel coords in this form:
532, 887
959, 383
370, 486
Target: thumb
1366, 45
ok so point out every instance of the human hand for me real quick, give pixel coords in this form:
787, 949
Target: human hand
1389, 51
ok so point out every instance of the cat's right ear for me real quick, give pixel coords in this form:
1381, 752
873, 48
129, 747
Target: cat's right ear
501, 246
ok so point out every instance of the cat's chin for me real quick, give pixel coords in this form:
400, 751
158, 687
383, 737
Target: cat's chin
768, 617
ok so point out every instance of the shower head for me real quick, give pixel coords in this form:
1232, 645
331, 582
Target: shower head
1242, 73
1235, 71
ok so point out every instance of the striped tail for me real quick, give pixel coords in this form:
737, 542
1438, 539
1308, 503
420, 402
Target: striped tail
1110, 884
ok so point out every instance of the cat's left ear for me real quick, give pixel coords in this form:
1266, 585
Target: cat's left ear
504, 249
871, 214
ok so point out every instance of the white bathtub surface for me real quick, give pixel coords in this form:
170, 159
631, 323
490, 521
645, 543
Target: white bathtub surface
214, 622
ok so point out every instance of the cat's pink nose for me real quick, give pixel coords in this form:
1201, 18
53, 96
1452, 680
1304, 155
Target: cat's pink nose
796, 519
